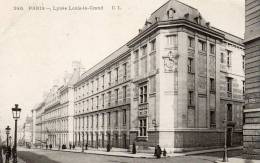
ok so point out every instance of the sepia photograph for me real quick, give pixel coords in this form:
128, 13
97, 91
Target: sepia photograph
130, 81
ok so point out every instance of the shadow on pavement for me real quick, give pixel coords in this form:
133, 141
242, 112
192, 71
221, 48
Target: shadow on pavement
30, 157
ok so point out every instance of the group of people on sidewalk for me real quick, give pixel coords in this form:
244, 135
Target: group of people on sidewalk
157, 152
8, 152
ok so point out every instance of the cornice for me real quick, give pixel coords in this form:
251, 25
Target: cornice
176, 23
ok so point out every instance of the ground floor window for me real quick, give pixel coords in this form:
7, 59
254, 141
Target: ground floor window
142, 127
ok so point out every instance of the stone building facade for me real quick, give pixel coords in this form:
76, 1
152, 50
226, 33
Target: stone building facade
252, 108
173, 84
102, 103
187, 78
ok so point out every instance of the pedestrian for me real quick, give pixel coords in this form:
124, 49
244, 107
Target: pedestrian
134, 148
108, 147
50, 146
164, 152
86, 146
46, 146
159, 151
73, 146
70, 146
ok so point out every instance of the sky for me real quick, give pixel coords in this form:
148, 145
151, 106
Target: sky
37, 47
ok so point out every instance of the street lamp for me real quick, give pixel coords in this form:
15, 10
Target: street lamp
7, 129
16, 115
10, 138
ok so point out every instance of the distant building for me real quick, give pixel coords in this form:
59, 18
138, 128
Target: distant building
27, 131
252, 65
174, 84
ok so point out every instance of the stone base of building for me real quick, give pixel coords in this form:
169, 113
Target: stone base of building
184, 140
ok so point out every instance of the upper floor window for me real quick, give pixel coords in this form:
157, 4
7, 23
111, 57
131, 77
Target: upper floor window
103, 81
109, 98
153, 45
124, 116
229, 112
143, 94
191, 42
243, 62
125, 70
116, 118
109, 78
116, 74
202, 45
103, 119
116, 96
212, 84
191, 98
136, 54
229, 58
103, 99
229, 86
212, 48
97, 102
108, 119
212, 119
97, 83
222, 57
190, 65
171, 40
243, 82
124, 93
144, 50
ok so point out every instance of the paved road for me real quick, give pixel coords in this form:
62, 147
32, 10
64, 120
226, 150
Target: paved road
47, 156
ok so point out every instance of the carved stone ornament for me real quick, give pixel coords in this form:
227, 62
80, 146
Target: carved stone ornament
170, 62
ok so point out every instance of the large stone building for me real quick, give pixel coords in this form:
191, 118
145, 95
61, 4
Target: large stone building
252, 108
173, 84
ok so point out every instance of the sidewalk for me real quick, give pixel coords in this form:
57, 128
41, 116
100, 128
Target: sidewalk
238, 160
123, 152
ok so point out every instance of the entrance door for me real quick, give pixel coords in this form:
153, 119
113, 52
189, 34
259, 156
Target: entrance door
229, 137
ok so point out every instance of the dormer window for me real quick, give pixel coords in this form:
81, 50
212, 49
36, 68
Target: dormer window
186, 16
198, 20
156, 19
170, 13
147, 23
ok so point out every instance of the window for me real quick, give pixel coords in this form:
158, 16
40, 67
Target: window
92, 121
103, 100
103, 119
109, 98
97, 121
136, 63
171, 40
124, 94
92, 86
229, 86
116, 74
170, 13
229, 58
191, 42
97, 83
243, 62
153, 45
212, 48
108, 118
142, 127
144, 50
202, 45
109, 78
190, 65
222, 57
97, 101
87, 104
212, 84
212, 119
103, 81
125, 71
116, 117
124, 116
243, 82
92, 103
143, 94
116, 96
191, 98
229, 112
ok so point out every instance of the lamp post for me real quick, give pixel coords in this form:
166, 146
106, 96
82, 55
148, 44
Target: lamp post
10, 139
7, 129
16, 115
